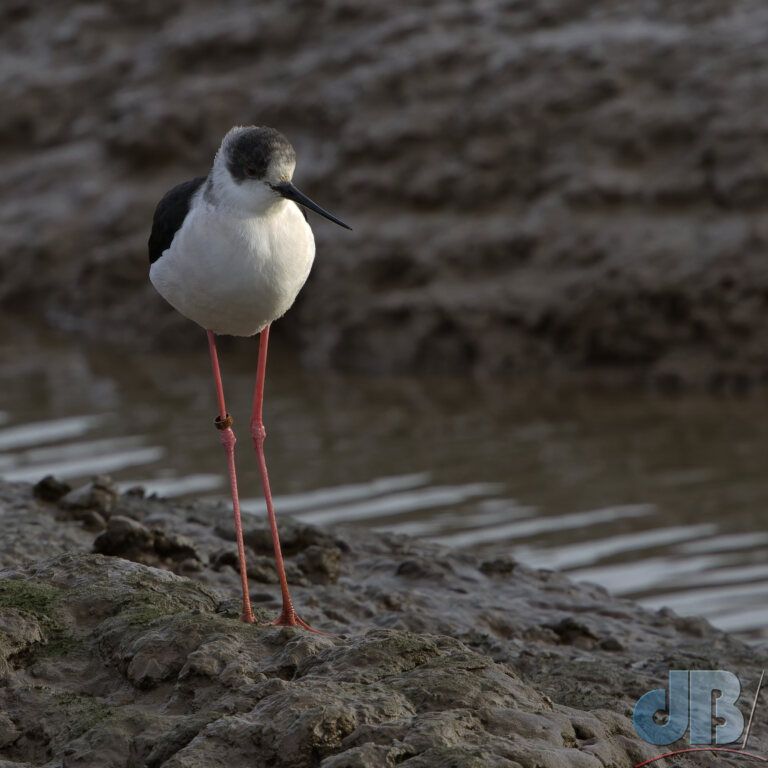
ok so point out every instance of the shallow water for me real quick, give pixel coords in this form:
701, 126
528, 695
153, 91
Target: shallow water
659, 499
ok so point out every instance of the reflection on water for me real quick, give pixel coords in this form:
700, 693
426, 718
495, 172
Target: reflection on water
660, 499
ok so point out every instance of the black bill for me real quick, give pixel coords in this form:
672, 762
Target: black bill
289, 192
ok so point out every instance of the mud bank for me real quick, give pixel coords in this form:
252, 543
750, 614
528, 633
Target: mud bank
436, 658
564, 188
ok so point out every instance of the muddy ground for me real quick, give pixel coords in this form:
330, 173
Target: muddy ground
120, 645
569, 187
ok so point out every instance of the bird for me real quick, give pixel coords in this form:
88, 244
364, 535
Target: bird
231, 251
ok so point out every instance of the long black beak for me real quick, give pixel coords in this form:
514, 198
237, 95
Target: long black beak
288, 191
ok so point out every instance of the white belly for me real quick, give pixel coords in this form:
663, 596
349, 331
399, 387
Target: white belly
235, 275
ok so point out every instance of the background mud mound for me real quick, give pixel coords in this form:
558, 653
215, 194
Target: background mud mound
550, 186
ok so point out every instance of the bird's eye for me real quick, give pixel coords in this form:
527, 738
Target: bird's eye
250, 171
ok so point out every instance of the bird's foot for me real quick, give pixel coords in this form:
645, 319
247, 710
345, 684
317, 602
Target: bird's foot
289, 618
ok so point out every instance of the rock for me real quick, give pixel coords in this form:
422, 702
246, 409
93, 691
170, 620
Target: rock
128, 538
99, 496
627, 242
172, 546
91, 520
190, 565
320, 565
223, 558
611, 644
319, 553
294, 536
571, 631
51, 489
260, 568
422, 568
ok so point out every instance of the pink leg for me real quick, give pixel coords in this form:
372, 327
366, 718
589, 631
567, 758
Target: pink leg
228, 440
288, 616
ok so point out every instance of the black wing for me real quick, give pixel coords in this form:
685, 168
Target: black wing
169, 216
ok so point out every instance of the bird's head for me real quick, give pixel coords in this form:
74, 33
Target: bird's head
257, 165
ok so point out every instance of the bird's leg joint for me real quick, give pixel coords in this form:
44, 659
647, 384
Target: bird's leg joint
224, 425
258, 431
223, 422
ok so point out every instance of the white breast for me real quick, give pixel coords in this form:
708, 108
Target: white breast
233, 275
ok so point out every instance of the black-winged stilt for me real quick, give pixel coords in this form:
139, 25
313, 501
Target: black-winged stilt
231, 251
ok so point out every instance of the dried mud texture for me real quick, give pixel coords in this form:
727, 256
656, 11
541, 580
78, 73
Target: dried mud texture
437, 659
563, 187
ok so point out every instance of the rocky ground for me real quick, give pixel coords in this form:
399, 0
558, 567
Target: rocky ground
561, 186
120, 645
